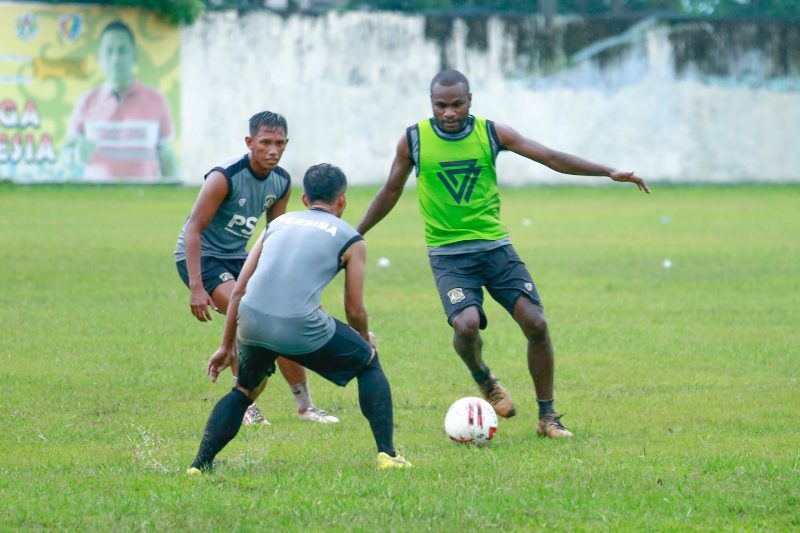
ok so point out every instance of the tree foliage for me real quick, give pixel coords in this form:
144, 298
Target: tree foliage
726, 8
173, 11
186, 11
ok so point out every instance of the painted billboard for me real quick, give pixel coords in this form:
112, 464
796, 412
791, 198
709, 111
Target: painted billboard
88, 94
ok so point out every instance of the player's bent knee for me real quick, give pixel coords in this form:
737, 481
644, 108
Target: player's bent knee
467, 323
256, 392
374, 362
536, 329
252, 394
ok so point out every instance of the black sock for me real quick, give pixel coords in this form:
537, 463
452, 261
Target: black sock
545, 407
483, 375
223, 424
375, 399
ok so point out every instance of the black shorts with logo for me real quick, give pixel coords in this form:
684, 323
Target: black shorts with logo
215, 271
341, 359
460, 278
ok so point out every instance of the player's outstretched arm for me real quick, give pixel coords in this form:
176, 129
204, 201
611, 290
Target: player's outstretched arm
222, 358
354, 259
391, 191
208, 201
561, 161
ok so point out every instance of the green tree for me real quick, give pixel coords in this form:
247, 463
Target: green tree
173, 11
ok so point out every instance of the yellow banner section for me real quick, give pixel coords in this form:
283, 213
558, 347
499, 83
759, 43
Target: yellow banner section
88, 93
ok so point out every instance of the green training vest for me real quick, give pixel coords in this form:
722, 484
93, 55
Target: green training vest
457, 187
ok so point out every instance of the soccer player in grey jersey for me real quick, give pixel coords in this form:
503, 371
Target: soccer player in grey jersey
277, 302
211, 247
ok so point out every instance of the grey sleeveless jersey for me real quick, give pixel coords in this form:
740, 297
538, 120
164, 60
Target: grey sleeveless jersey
248, 197
301, 255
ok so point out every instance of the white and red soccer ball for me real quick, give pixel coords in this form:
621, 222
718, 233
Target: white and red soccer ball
471, 420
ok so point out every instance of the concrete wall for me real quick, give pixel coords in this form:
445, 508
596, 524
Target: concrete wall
673, 100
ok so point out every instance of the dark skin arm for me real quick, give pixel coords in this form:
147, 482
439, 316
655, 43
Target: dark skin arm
565, 163
211, 196
561, 161
279, 207
223, 357
391, 191
354, 260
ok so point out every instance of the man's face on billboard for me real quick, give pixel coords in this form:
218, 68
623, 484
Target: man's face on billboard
117, 57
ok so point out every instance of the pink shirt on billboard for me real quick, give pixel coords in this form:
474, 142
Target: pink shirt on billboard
126, 130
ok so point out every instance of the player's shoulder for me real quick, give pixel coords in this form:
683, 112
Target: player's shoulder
347, 231
282, 173
233, 165
415, 126
410, 138
283, 181
229, 168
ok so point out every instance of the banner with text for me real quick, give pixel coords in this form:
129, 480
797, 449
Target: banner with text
88, 94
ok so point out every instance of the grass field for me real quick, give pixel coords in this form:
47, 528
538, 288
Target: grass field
681, 383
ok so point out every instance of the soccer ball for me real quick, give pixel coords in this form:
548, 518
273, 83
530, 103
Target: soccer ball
471, 420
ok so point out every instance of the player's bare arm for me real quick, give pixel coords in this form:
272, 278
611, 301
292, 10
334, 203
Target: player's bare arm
391, 191
354, 259
561, 161
279, 207
223, 357
208, 201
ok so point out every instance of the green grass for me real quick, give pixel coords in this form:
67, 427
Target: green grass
680, 384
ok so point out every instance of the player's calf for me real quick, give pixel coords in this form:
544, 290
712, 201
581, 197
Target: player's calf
222, 426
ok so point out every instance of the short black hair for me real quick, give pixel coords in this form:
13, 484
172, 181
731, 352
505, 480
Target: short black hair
118, 25
449, 77
269, 120
324, 183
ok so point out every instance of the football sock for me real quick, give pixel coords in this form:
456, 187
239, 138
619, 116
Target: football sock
483, 375
223, 424
545, 407
302, 396
375, 399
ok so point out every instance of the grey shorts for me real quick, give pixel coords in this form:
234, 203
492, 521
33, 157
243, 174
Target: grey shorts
461, 277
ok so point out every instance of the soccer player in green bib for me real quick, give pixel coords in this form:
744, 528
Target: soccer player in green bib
469, 248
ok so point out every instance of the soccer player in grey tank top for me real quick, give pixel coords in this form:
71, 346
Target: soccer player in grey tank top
277, 302
211, 247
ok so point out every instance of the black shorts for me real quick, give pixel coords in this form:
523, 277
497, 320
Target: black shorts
215, 271
341, 359
459, 279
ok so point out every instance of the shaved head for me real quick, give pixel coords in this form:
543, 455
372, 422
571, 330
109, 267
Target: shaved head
448, 78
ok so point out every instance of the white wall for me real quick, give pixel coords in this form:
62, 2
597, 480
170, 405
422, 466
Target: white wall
349, 84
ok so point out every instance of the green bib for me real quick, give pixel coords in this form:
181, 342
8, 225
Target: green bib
457, 187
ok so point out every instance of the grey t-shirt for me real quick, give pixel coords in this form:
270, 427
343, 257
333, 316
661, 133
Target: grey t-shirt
301, 254
248, 197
